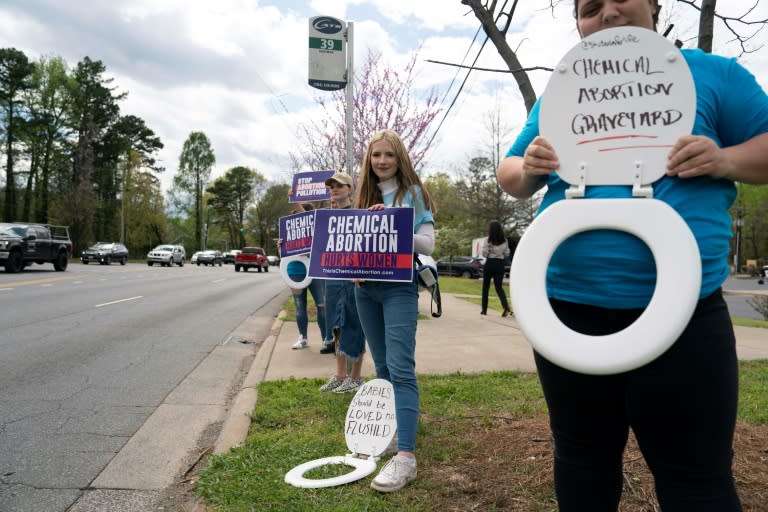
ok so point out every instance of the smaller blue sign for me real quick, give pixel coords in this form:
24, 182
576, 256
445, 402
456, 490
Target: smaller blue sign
310, 186
296, 233
363, 244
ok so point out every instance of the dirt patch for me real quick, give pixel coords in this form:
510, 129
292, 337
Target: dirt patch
511, 469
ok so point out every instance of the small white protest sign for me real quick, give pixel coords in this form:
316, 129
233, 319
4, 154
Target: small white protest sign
371, 422
615, 105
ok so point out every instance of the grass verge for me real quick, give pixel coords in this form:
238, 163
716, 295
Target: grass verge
483, 442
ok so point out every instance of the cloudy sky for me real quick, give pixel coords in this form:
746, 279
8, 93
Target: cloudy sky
237, 69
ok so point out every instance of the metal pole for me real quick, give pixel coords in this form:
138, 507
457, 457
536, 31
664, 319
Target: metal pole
350, 100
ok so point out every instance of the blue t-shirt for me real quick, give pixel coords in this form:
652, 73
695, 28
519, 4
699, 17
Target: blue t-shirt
614, 269
421, 214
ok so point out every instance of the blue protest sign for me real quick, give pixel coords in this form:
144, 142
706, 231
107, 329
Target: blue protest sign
310, 186
362, 244
296, 233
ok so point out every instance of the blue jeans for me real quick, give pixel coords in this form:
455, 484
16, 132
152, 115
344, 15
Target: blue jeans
341, 312
388, 313
317, 289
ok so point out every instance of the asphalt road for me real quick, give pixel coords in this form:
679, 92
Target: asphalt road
87, 355
737, 304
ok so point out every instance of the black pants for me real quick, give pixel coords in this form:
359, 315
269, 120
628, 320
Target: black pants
681, 407
494, 269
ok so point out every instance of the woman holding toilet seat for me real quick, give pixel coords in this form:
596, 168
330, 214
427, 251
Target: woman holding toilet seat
682, 406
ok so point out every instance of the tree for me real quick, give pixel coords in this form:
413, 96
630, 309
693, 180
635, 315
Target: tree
49, 101
15, 74
195, 165
94, 109
382, 99
265, 215
230, 196
127, 138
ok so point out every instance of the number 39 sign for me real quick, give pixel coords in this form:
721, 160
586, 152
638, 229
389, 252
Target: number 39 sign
327, 53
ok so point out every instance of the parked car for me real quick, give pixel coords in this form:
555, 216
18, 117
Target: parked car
229, 256
273, 260
105, 253
464, 266
193, 259
210, 258
167, 255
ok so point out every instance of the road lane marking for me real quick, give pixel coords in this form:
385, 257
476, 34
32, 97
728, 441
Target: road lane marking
219, 280
36, 281
118, 301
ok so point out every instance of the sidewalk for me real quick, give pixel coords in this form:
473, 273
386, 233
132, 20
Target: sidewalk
461, 340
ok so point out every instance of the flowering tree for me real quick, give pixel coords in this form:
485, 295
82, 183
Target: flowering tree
382, 99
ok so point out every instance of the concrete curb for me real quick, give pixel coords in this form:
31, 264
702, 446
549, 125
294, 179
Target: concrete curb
238, 421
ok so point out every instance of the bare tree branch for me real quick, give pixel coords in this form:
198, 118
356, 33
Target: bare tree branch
735, 24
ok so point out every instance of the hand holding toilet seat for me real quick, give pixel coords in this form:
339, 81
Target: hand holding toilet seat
597, 115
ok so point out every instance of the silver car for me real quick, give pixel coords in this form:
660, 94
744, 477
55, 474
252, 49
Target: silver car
167, 255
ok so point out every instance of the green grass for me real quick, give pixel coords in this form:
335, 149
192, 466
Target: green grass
294, 423
749, 322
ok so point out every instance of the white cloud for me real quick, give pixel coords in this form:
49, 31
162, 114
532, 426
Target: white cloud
237, 70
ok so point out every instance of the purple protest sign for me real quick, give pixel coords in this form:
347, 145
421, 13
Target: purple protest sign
310, 186
296, 233
361, 244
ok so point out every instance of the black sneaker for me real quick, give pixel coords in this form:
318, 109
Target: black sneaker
328, 349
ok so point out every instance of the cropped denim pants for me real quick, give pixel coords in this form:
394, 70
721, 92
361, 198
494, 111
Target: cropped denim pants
317, 289
388, 312
341, 312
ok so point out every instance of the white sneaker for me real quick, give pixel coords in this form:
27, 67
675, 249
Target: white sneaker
301, 343
395, 474
333, 383
349, 385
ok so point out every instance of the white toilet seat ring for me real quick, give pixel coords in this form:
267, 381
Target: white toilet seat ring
301, 259
678, 282
362, 468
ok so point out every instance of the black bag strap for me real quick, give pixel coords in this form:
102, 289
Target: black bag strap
434, 291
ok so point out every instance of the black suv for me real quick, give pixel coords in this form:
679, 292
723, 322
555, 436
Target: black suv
209, 258
105, 253
464, 266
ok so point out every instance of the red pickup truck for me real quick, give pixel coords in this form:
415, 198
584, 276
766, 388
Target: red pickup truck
251, 257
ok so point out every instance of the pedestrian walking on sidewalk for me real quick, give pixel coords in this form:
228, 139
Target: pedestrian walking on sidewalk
496, 252
389, 310
681, 406
341, 310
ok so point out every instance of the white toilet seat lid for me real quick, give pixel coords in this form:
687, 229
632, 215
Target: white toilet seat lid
678, 281
615, 105
369, 427
362, 468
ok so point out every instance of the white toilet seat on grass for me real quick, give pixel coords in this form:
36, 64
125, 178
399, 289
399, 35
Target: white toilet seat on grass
363, 468
368, 429
678, 280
